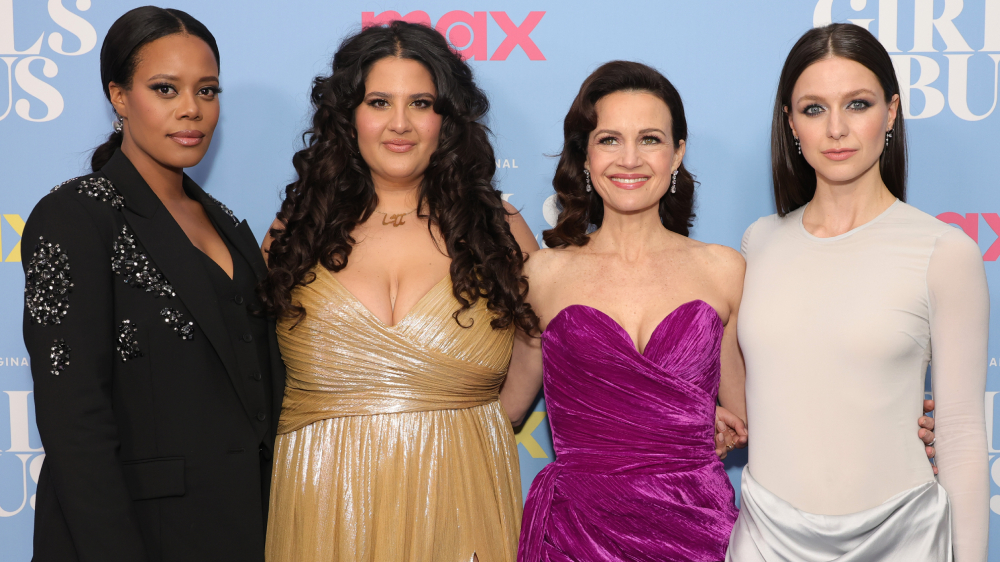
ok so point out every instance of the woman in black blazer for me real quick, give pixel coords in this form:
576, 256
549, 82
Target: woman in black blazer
158, 381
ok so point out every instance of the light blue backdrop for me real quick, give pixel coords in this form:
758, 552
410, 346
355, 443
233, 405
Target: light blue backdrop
530, 56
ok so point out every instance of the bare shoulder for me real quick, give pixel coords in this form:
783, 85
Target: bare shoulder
543, 261
725, 257
276, 225
724, 265
548, 264
519, 228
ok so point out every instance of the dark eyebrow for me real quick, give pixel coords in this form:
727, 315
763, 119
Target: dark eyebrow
642, 132
176, 78
388, 95
847, 95
860, 91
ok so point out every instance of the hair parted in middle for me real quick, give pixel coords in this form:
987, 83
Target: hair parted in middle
581, 208
794, 180
334, 191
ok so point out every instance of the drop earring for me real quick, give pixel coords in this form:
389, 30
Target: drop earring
798, 145
888, 137
118, 123
586, 175
673, 182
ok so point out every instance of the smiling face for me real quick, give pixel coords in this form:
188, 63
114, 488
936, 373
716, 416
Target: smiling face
397, 127
839, 114
631, 154
171, 108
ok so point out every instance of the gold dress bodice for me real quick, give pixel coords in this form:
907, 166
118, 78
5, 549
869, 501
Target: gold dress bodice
392, 444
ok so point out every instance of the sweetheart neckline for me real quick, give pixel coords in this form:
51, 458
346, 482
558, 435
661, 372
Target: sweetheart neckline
625, 333
373, 315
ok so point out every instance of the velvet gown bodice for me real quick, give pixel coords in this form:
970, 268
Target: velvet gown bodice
636, 476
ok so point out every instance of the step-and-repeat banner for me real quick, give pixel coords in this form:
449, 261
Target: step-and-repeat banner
530, 56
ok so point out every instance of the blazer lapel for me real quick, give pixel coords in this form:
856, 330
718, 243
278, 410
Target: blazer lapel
171, 250
239, 235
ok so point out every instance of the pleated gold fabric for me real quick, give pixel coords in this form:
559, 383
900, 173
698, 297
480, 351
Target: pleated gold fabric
392, 444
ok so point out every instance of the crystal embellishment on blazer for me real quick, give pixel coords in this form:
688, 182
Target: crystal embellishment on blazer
127, 346
225, 209
59, 356
47, 283
56, 188
131, 262
175, 319
103, 190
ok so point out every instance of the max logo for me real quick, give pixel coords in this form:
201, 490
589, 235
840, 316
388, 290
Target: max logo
467, 32
970, 224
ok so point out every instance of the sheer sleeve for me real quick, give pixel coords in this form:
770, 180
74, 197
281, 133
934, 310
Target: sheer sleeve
959, 323
745, 242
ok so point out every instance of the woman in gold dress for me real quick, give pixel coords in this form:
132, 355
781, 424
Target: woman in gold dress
395, 271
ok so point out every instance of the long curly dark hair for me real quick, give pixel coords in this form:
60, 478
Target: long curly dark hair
334, 190
581, 209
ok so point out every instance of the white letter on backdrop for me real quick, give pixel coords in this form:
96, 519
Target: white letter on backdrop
929, 72
958, 85
48, 95
73, 24
924, 25
7, 32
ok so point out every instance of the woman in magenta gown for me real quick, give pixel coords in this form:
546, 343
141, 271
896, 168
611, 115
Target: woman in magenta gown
638, 333
638, 342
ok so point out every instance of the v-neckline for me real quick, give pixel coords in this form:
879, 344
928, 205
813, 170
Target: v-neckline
225, 242
373, 316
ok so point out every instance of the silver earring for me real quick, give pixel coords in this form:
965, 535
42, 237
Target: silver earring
586, 175
798, 145
888, 137
673, 182
118, 123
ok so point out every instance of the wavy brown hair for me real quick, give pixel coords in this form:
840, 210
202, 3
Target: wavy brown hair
581, 209
793, 178
334, 192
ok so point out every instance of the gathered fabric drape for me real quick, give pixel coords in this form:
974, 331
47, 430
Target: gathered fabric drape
392, 444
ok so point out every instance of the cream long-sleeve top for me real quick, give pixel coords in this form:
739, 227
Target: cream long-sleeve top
837, 334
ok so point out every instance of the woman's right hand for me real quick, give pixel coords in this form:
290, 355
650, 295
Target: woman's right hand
730, 432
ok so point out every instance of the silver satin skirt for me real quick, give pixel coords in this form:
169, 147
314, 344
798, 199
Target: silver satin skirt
914, 525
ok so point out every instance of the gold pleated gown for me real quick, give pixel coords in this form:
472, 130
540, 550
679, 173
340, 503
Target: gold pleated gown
392, 445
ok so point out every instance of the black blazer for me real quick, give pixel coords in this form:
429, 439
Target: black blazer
158, 438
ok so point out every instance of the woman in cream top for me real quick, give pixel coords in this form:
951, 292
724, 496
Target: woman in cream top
854, 319
849, 294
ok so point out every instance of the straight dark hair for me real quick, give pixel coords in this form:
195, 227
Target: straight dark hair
120, 55
793, 178
581, 208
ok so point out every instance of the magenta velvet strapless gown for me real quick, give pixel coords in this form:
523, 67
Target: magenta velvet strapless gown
635, 475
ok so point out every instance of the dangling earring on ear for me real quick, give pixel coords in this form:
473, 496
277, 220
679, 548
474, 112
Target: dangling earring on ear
798, 145
673, 182
118, 123
888, 137
586, 175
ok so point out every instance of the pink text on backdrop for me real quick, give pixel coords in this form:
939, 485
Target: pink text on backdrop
969, 223
467, 32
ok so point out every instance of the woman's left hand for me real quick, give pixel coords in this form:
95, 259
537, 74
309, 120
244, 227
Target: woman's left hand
730, 432
925, 433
